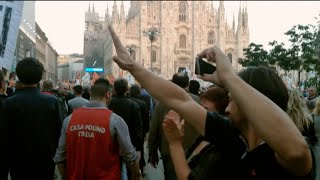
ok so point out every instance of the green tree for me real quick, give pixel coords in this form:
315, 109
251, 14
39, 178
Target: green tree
302, 50
278, 54
317, 44
255, 55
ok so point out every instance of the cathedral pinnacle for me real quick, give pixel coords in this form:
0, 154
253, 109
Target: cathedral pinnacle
107, 17
115, 8
233, 24
115, 14
122, 13
240, 16
107, 13
226, 18
89, 7
93, 7
221, 4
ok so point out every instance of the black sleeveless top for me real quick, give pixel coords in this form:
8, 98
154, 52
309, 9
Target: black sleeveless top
261, 163
258, 164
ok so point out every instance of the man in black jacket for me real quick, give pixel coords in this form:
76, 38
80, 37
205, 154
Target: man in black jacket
135, 96
30, 128
129, 111
134, 93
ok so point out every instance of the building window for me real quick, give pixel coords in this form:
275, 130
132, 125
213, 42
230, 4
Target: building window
182, 41
211, 37
133, 54
153, 56
230, 57
183, 11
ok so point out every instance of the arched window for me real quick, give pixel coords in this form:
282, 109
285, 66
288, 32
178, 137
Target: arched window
182, 41
211, 37
153, 56
133, 54
183, 6
230, 57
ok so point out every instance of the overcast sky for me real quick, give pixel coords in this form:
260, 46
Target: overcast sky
63, 21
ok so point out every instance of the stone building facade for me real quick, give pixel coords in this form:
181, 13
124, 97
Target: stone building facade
46, 54
41, 46
52, 63
186, 28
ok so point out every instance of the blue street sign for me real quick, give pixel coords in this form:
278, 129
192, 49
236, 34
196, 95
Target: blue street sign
93, 69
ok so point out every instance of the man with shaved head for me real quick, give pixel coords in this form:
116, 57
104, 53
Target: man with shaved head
312, 98
63, 92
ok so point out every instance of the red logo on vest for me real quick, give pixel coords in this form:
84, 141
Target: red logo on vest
90, 150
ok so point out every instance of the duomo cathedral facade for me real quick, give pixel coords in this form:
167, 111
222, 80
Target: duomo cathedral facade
186, 28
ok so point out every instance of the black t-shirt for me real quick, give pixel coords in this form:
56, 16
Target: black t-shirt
260, 163
208, 163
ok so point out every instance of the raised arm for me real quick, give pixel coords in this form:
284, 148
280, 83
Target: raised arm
174, 131
270, 122
164, 91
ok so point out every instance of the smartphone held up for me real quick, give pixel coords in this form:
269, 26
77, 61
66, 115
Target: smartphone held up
203, 67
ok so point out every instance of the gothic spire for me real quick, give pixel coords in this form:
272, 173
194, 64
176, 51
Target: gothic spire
89, 7
233, 24
107, 12
226, 19
240, 17
221, 5
245, 17
115, 8
122, 13
221, 11
106, 16
115, 15
93, 7
211, 6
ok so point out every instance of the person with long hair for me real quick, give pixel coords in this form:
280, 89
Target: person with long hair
260, 138
316, 147
298, 112
204, 158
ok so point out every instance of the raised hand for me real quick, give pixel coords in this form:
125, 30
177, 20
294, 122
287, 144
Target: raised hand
173, 127
224, 67
123, 58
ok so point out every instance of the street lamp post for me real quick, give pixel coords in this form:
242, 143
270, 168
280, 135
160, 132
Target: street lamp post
152, 33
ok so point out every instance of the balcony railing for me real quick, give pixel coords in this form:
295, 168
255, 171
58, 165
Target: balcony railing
182, 51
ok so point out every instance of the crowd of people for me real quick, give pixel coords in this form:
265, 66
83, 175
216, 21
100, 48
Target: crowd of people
245, 126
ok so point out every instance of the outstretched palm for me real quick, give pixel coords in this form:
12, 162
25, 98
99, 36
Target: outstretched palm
123, 58
173, 127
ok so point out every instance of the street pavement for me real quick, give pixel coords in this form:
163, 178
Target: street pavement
151, 173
